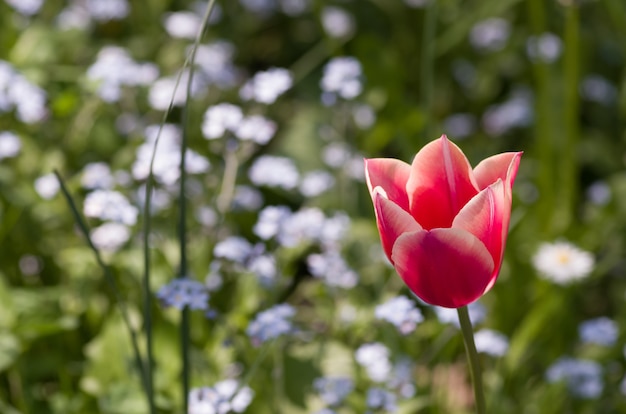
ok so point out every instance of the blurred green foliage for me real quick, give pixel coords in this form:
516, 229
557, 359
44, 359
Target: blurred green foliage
63, 346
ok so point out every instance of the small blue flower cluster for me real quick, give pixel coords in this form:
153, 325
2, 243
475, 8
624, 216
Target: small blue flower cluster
184, 292
271, 323
401, 312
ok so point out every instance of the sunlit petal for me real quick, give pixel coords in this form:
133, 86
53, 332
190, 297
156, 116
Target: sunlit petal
487, 217
390, 174
440, 184
502, 166
392, 221
444, 267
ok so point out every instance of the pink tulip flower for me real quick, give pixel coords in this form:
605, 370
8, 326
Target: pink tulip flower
443, 225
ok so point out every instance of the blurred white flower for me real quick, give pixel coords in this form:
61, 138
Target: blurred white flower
266, 87
47, 186
127, 123
215, 62
334, 229
206, 216
342, 76
364, 116
220, 118
256, 128
29, 100
402, 380
224, 397
379, 399
596, 88
401, 312
274, 171
337, 22
270, 221
545, 48
583, 378
162, 91
271, 323
110, 236
333, 390
166, 168
600, 331
30, 265
160, 199
182, 24
599, 193
110, 205
491, 34
247, 198
316, 182
115, 68
107, 10
234, 248
459, 126
562, 262
354, 168
184, 292
26, 7
294, 7
513, 113
74, 16
332, 269
303, 226
374, 357
16, 92
264, 267
336, 154
491, 342
97, 175
10, 145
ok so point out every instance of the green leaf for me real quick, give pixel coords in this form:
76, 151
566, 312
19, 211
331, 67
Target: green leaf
299, 375
539, 320
9, 350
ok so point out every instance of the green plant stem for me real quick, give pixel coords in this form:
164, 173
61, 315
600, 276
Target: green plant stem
182, 202
544, 133
571, 108
225, 197
147, 293
111, 280
472, 358
428, 65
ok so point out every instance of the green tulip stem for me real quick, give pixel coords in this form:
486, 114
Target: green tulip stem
472, 358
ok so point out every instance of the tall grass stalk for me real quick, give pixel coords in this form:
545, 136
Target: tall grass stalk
182, 232
84, 228
182, 224
543, 130
571, 109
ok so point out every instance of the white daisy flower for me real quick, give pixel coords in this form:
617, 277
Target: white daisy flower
562, 262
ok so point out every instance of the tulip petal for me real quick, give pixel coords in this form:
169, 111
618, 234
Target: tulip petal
440, 184
444, 267
503, 166
487, 217
390, 174
392, 221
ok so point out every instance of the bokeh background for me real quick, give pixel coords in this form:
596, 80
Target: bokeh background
289, 304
